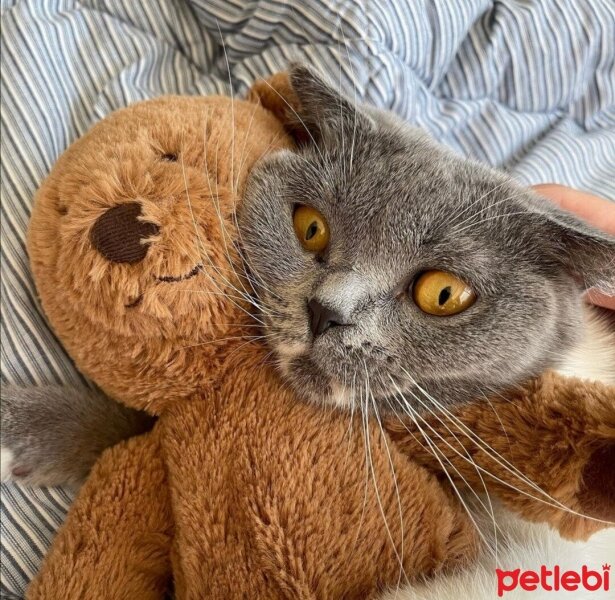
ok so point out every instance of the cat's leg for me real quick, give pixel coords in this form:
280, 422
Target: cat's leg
53, 435
115, 543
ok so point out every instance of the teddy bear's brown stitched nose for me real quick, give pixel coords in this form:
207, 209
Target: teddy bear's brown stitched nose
118, 233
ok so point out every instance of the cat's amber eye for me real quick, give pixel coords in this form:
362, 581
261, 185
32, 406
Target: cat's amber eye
442, 294
311, 228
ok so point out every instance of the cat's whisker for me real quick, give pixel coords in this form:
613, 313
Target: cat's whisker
439, 455
354, 90
265, 360
215, 197
202, 253
497, 416
488, 509
465, 209
254, 339
395, 411
210, 293
269, 338
250, 274
343, 135
502, 216
220, 340
349, 431
242, 346
365, 432
243, 154
242, 325
469, 459
476, 215
261, 309
243, 296
397, 494
230, 83
373, 471
216, 203
259, 281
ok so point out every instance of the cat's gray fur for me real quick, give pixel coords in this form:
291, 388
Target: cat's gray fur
397, 204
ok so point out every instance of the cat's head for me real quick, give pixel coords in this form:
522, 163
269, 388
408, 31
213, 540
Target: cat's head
385, 262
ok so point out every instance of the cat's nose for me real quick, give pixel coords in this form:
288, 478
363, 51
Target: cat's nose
118, 233
323, 317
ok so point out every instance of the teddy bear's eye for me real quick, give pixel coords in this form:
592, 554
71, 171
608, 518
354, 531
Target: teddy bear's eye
169, 157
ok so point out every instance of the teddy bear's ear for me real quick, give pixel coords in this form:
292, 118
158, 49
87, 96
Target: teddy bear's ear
276, 94
311, 109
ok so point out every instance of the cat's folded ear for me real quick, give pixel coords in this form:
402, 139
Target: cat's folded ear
325, 112
587, 253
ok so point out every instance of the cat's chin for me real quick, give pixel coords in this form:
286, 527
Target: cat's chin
318, 385
310, 382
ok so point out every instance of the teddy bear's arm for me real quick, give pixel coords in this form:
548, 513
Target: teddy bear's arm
557, 432
115, 542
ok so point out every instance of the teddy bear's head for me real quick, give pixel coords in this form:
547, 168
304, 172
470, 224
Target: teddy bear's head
132, 241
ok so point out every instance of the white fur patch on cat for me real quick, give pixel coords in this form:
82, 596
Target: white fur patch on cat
6, 463
594, 357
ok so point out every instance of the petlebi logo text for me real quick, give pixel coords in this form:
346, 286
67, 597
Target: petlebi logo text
554, 579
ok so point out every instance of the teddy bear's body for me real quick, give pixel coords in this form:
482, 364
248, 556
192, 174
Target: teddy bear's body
240, 490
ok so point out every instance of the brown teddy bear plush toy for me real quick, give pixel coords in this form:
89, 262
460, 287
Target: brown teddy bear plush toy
240, 490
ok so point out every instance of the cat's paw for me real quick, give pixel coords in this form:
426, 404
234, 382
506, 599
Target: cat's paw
11, 468
53, 435
16, 468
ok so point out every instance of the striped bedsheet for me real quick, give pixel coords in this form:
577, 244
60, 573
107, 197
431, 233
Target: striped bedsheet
526, 85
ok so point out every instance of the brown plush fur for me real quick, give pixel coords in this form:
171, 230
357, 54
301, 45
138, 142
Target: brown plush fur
559, 433
239, 491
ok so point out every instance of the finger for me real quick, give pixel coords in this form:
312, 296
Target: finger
597, 211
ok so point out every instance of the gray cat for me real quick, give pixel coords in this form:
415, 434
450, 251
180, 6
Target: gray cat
384, 262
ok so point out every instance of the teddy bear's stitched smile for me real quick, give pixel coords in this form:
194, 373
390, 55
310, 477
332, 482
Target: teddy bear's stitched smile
167, 279
170, 278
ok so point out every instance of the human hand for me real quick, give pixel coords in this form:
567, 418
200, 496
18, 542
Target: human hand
596, 211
